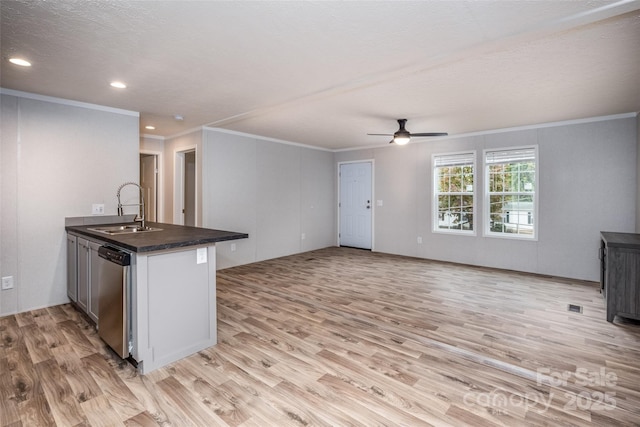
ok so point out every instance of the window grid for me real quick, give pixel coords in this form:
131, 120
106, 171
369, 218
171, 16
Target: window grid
511, 184
454, 192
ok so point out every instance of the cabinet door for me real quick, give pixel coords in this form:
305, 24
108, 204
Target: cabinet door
84, 273
94, 292
624, 273
603, 268
72, 267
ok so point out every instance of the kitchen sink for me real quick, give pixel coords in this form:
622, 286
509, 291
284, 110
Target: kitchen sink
124, 229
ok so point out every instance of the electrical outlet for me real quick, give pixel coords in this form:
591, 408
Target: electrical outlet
7, 283
233, 247
97, 209
303, 236
201, 256
419, 240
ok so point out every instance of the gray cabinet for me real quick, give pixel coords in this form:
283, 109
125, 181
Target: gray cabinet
174, 297
72, 267
94, 294
620, 274
82, 272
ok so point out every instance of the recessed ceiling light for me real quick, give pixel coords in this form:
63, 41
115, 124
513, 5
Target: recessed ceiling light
178, 117
150, 127
118, 85
21, 62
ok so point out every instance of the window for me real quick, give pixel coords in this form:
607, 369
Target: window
511, 181
453, 192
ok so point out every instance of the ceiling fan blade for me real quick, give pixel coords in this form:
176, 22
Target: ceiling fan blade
402, 135
430, 134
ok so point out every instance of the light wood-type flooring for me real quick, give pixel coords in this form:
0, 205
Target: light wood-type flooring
344, 337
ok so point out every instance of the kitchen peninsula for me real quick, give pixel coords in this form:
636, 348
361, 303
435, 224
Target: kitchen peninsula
169, 289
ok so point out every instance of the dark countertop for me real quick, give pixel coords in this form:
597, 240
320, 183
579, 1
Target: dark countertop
621, 240
171, 236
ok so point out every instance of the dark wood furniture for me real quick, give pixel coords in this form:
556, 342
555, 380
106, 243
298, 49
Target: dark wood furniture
620, 274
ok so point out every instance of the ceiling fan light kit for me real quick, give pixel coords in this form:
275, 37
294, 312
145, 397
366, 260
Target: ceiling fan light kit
403, 136
400, 139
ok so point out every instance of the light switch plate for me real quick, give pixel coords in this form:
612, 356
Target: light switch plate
97, 209
201, 255
7, 283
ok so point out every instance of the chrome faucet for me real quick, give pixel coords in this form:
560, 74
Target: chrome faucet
140, 216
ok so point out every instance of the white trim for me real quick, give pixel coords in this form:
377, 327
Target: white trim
536, 198
434, 202
185, 132
422, 141
248, 135
501, 130
265, 138
72, 103
159, 183
68, 102
373, 199
147, 136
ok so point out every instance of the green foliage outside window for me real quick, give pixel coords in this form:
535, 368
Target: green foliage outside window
455, 197
511, 197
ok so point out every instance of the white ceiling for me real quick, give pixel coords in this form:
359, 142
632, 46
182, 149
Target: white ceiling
327, 73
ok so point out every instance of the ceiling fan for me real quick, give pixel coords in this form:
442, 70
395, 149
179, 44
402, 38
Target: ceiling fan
402, 136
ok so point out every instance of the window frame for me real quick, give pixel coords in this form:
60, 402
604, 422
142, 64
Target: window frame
535, 196
434, 196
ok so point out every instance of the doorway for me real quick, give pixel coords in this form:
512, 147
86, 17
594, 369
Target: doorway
189, 208
356, 207
149, 184
185, 203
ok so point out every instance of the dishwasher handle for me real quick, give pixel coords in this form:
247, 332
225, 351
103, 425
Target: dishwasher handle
114, 255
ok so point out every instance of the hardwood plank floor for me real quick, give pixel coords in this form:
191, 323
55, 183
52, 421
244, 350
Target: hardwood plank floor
343, 337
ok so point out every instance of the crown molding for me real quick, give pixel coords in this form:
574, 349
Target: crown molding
68, 102
264, 138
503, 130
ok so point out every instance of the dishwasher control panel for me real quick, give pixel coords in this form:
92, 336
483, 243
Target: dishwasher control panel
114, 255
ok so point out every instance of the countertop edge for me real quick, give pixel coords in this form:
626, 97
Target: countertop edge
188, 240
621, 240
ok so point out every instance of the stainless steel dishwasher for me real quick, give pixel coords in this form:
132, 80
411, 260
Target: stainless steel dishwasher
113, 306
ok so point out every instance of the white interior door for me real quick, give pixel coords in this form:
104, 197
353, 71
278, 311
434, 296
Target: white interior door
356, 205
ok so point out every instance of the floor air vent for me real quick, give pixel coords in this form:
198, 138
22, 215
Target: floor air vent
575, 308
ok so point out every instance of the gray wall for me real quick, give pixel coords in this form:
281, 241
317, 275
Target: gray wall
275, 192
57, 158
587, 176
